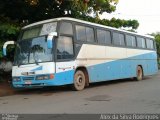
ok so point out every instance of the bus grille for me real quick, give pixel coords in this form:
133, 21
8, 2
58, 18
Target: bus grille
28, 78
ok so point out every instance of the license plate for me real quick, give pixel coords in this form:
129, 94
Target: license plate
28, 82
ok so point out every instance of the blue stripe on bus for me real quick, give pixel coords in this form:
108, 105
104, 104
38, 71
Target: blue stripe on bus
123, 68
118, 69
36, 69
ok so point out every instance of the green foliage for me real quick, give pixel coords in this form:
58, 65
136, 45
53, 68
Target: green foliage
96, 6
117, 23
157, 39
35, 10
29, 11
8, 31
1, 45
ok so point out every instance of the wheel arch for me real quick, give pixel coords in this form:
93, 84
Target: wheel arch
84, 69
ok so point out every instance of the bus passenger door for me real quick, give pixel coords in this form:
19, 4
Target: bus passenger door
65, 63
65, 53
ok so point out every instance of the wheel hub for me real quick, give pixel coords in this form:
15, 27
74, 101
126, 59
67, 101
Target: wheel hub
79, 80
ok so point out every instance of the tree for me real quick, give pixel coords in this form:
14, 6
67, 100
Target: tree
157, 39
8, 31
34, 10
29, 11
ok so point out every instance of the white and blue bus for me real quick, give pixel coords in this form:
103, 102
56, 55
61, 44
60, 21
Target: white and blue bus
67, 51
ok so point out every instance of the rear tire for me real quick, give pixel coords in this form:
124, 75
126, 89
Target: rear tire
79, 80
139, 73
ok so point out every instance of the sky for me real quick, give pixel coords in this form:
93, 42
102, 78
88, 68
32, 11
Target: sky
147, 12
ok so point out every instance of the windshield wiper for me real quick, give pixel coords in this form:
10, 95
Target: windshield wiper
36, 62
19, 64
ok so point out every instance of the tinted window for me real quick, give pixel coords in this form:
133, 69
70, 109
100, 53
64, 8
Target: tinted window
150, 43
141, 42
66, 28
90, 34
131, 41
104, 37
65, 48
48, 28
118, 39
30, 33
80, 33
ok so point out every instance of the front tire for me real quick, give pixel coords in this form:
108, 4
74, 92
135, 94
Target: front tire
139, 73
79, 80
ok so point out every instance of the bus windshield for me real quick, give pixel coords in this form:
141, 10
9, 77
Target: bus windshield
32, 45
33, 50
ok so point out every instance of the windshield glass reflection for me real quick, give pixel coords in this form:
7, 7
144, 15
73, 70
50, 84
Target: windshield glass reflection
32, 51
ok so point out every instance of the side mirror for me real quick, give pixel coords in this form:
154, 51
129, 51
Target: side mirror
5, 46
50, 38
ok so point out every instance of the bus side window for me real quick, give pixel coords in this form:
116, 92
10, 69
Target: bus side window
80, 33
104, 37
141, 42
118, 39
90, 34
150, 44
154, 45
66, 28
65, 48
131, 41
85, 33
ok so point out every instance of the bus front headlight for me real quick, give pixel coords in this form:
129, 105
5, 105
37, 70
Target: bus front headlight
16, 79
44, 77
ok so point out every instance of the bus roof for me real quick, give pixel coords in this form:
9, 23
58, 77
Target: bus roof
86, 22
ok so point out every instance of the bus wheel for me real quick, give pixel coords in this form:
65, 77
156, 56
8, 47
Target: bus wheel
139, 73
79, 80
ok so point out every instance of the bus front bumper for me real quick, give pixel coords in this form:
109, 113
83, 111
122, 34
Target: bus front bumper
59, 79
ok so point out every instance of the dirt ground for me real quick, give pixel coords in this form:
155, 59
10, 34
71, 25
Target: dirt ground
6, 88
